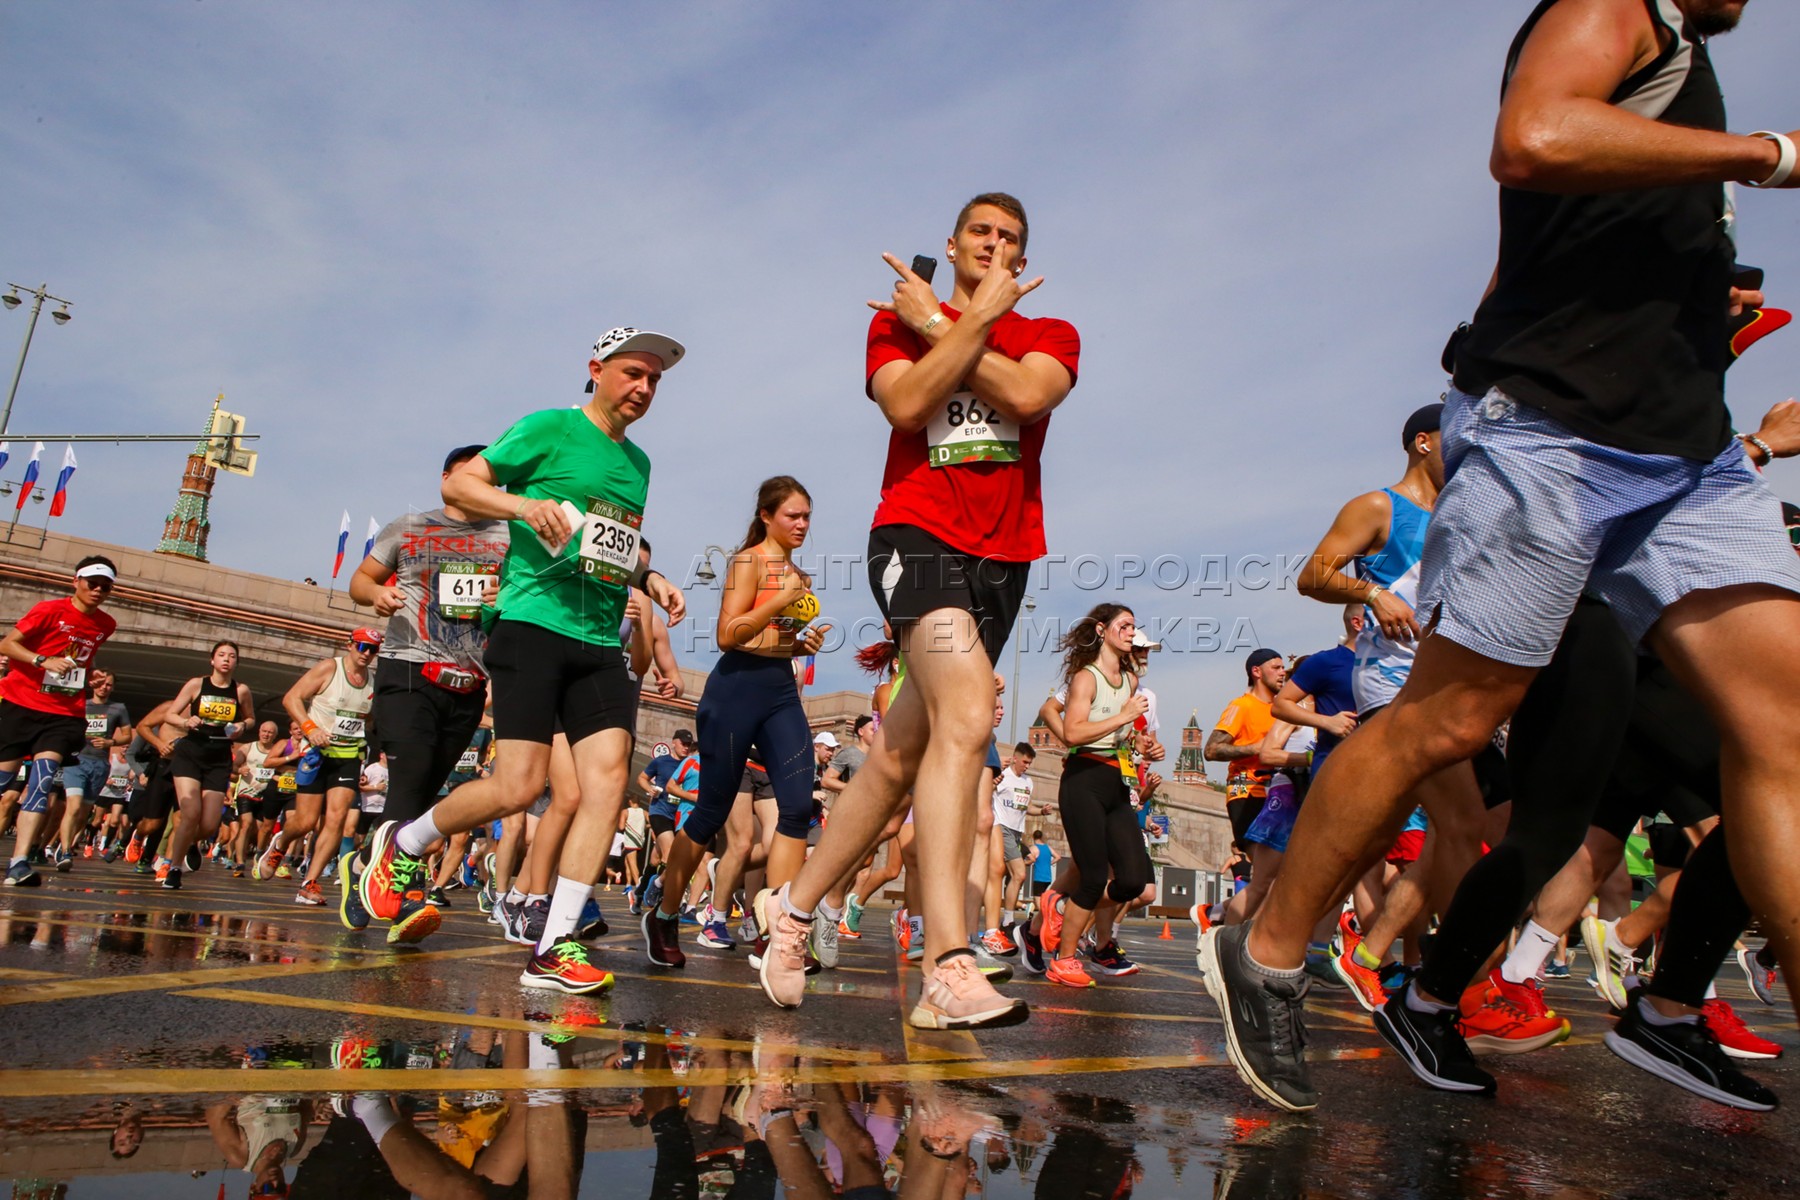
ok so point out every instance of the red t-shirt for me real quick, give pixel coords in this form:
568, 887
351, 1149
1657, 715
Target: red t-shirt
56, 628
984, 499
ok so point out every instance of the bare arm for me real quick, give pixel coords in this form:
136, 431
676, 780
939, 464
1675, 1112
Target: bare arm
1557, 133
1361, 528
13, 647
300, 696
1051, 714
1081, 699
1271, 752
1288, 707
667, 669
958, 358
369, 585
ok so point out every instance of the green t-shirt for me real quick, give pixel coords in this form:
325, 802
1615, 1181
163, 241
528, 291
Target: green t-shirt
559, 454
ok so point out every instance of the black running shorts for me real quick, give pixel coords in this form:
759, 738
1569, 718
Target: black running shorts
205, 760
540, 676
913, 574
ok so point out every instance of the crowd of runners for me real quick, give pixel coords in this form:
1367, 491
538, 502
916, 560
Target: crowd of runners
1534, 614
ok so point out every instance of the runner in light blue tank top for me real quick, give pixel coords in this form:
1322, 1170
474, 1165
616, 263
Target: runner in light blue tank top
1382, 664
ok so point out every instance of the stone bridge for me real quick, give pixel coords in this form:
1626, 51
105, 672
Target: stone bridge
172, 610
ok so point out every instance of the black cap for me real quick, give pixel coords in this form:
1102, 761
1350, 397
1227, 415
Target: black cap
461, 454
684, 735
1425, 420
1258, 658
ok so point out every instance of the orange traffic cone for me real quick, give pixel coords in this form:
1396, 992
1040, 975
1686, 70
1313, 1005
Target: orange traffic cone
1165, 935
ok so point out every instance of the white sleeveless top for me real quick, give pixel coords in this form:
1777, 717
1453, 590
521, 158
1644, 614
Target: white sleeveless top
1109, 701
341, 709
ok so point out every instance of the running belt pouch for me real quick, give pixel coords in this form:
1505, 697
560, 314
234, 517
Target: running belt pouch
309, 766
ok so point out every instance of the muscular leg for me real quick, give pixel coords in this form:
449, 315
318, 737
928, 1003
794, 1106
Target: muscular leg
1761, 794
337, 803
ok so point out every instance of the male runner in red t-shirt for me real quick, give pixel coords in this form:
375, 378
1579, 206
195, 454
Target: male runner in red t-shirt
43, 699
968, 387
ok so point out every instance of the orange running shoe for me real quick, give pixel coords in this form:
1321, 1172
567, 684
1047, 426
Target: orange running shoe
995, 941
1364, 984
134, 851
1050, 934
162, 869
1069, 972
902, 930
845, 933
1348, 935
565, 967
1498, 1017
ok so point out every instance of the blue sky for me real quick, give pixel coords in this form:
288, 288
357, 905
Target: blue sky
382, 230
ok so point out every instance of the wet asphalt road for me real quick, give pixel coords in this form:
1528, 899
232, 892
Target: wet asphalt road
114, 991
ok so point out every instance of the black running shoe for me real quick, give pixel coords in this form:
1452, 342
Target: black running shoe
1431, 1045
1686, 1057
436, 898
172, 881
193, 858
1265, 1035
532, 920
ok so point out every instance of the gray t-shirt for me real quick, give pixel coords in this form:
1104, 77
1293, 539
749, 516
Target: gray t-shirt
103, 720
847, 761
441, 567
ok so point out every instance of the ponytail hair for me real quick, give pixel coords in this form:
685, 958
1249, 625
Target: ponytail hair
769, 496
878, 658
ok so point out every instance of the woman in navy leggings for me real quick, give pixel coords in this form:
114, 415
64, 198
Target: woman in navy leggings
753, 732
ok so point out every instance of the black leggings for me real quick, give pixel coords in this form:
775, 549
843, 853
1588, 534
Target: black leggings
750, 701
1103, 833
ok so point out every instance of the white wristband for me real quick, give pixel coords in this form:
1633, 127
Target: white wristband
1784, 165
938, 318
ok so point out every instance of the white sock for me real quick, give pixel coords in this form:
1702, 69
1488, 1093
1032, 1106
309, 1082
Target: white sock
566, 903
376, 1114
416, 837
833, 915
514, 895
1712, 993
534, 897
1527, 958
1420, 1004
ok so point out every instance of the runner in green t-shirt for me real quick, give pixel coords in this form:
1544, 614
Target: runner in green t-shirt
575, 494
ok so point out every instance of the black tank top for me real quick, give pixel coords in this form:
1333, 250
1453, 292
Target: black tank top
216, 707
1608, 311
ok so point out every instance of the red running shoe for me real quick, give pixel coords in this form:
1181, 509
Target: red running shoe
1364, 984
1050, 934
1726, 1028
1498, 1017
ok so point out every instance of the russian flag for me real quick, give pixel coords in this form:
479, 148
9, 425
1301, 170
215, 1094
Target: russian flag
31, 473
60, 500
5, 453
369, 545
343, 541
806, 674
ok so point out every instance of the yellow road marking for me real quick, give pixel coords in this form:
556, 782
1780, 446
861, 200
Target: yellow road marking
472, 1020
930, 1045
82, 989
28, 973
148, 931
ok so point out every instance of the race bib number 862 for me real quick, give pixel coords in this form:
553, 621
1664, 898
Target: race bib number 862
965, 430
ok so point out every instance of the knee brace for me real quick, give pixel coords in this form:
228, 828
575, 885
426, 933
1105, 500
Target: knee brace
8, 777
39, 775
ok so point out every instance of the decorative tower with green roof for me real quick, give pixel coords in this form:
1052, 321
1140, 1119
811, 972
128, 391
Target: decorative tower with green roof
187, 525
1190, 764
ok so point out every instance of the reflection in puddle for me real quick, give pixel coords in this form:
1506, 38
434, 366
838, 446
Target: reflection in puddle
685, 1120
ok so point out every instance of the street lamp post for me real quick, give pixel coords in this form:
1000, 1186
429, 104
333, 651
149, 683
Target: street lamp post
1012, 732
12, 300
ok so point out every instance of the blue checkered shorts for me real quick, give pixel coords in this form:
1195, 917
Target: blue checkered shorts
1532, 516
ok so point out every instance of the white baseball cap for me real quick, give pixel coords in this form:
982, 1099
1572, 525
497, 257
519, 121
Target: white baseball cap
1139, 641
826, 739
624, 338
